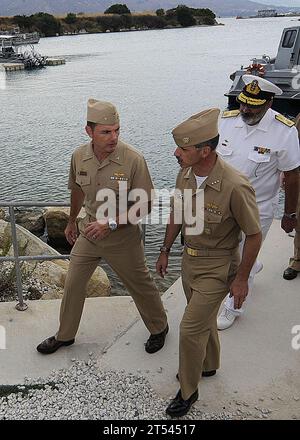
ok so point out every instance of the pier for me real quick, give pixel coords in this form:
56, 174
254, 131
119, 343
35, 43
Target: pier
14, 67
259, 374
55, 61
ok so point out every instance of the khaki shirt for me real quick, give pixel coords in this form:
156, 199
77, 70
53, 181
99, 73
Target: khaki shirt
124, 165
297, 123
229, 207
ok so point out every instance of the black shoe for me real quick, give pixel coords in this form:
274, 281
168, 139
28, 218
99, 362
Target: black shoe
50, 345
208, 373
204, 374
290, 273
179, 407
156, 342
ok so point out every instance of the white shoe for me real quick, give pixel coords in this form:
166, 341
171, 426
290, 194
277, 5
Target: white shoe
260, 267
225, 319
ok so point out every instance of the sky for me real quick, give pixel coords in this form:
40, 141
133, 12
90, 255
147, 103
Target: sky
281, 2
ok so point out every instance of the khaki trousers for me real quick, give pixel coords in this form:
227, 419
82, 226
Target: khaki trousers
206, 281
295, 261
124, 252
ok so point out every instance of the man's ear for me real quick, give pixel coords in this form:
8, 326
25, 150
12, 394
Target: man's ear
89, 131
270, 104
206, 151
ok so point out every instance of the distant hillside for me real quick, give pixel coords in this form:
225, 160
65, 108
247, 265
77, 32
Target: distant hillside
223, 8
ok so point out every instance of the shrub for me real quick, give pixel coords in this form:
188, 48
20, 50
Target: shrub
118, 9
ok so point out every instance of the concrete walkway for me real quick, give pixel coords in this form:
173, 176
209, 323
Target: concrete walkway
259, 367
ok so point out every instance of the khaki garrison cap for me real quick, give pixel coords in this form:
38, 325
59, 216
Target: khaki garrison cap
197, 129
102, 112
257, 91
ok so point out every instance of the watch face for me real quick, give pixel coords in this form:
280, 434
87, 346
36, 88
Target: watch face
112, 225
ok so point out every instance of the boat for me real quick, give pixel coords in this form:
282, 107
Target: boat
13, 54
282, 70
19, 39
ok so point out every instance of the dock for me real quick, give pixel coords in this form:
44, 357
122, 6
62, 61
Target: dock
259, 361
55, 61
13, 67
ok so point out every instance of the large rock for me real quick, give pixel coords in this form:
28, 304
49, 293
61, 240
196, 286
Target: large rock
2, 214
32, 220
56, 219
48, 276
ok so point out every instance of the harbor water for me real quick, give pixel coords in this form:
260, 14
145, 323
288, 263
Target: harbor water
156, 79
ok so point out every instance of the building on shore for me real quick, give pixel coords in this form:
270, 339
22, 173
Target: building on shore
267, 13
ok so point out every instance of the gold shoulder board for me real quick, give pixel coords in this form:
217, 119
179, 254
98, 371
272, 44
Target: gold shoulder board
284, 120
230, 113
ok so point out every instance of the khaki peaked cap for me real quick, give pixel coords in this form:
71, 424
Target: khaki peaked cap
102, 112
199, 128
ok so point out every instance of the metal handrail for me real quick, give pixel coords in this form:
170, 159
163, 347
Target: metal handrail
21, 305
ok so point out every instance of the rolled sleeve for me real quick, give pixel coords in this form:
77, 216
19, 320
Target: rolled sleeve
72, 175
289, 158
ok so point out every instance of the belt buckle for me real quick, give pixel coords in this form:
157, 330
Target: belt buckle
192, 252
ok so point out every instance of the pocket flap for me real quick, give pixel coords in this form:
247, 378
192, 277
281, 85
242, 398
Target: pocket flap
211, 217
259, 158
83, 180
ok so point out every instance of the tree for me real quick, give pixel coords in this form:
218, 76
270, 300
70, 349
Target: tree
160, 12
46, 24
23, 21
185, 16
71, 18
117, 9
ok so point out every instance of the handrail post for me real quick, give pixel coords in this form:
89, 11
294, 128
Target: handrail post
21, 304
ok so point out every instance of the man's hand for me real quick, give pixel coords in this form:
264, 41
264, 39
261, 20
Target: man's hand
71, 232
239, 291
288, 224
162, 264
97, 231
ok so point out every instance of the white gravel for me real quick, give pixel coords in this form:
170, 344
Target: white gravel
85, 392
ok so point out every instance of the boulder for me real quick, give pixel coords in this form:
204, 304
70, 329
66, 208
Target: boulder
56, 219
2, 214
32, 220
48, 276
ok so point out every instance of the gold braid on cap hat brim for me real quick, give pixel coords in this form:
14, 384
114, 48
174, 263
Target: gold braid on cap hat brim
251, 101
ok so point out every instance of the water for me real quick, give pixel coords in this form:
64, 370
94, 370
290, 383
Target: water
156, 79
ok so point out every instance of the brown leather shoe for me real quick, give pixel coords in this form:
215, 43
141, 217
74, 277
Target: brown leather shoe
50, 345
156, 342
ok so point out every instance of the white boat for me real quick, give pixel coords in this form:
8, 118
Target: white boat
283, 70
11, 53
19, 39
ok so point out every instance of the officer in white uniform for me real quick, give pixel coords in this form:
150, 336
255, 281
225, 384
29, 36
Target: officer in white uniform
261, 143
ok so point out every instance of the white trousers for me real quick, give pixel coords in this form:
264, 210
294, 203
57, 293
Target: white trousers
229, 301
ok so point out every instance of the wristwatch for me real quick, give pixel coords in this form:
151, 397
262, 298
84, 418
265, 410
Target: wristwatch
165, 249
292, 215
112, 224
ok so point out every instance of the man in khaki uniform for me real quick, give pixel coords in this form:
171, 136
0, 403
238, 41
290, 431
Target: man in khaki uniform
210, 264
294, 266
106, 163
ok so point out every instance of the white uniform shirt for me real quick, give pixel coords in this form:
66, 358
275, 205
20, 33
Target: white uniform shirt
260, 152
